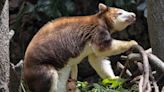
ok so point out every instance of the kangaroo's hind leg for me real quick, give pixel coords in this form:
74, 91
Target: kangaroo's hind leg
41, 78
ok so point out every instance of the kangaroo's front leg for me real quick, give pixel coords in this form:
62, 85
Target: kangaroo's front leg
102, 66
74, 72
116, 47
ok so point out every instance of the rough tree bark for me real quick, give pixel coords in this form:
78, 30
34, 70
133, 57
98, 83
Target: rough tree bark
156, 26
9, 80
156, 32
4, 47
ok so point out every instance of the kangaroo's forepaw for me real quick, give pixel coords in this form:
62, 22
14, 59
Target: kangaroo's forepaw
116, 77
133, 42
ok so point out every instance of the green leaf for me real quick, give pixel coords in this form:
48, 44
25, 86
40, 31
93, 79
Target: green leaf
106, 82
113, 82
82, 84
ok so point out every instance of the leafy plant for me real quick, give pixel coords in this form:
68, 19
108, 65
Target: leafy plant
106, 85
112, 82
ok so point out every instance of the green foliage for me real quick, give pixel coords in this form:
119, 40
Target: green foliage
125, 4
55, 8
114, 82
82, 84
106, 85
43, 10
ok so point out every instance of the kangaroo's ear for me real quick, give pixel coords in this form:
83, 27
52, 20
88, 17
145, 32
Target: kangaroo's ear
102, 7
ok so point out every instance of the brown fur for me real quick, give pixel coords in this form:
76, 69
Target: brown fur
60, 40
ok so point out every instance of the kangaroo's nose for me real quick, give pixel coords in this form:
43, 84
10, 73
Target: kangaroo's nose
131, 18
133, 15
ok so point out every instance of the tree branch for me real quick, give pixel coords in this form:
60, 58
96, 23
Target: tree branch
145, 66
154, 60
124, 69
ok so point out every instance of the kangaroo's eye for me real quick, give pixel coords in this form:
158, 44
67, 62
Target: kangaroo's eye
120, 13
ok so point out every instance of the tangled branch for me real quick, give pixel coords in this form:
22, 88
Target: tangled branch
147, 81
